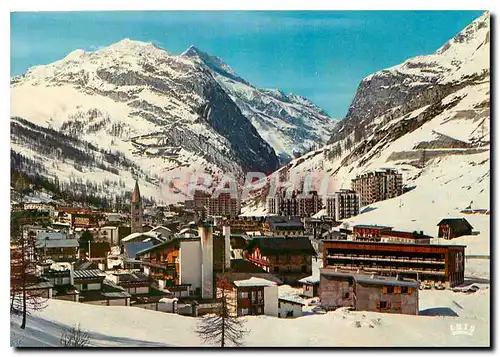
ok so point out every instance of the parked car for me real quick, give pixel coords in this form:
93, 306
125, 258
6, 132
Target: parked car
473, 288
439, 286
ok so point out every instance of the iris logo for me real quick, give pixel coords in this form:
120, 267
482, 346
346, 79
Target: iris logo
462, 329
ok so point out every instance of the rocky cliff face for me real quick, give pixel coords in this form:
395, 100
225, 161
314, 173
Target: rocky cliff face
291, 124
425, 80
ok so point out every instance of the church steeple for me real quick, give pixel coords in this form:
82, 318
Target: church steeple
136, 211
136, 195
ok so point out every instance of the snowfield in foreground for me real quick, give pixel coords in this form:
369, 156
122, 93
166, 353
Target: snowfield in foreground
440, 311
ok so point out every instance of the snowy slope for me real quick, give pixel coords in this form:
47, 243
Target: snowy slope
130, 326
289, 123
450, 131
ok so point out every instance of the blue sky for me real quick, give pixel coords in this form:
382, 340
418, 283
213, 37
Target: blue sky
320, 55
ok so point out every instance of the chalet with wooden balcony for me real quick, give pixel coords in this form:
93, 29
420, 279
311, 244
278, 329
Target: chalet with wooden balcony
251, 296
288, 258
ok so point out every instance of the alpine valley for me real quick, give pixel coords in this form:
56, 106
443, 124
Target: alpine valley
428, 117
132, 110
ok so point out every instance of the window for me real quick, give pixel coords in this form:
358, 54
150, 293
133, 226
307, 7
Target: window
85, 287
404, 290
244, 311
259, 294
346, 295
397, 289
243, 294
383, 304
279, 305
390, 289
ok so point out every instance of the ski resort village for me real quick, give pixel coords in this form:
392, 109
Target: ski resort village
161, 200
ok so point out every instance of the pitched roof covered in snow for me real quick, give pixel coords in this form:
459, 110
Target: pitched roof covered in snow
253, 282
139, 236
312, 280
460, 224
291, 300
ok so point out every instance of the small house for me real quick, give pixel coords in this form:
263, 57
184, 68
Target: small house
289, 307
58, 250
253, 296
365, 292
88, 280
134, 283
450, 228
310, 286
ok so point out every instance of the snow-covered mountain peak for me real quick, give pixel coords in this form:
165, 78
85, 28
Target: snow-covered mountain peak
290, 123
213, 62
128, 45
470, 38
466, 54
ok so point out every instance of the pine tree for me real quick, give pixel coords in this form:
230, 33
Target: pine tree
224, 326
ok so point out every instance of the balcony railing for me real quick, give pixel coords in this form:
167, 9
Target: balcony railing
258, 261
388, 259
393, 269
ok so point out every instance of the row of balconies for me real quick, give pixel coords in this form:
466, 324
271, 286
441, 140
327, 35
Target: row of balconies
389, 259
393, 270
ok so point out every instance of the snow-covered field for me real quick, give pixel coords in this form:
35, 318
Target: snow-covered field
130, 326
440, 312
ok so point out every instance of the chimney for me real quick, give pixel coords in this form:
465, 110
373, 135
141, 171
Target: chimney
207, 260
226, 230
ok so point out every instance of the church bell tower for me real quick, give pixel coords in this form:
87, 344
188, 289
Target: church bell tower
136, 211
